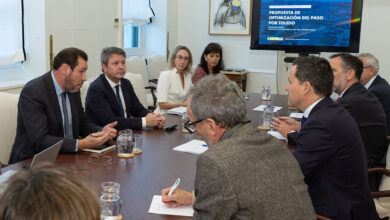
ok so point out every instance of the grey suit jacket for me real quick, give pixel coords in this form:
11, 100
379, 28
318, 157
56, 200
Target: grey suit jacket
250, 175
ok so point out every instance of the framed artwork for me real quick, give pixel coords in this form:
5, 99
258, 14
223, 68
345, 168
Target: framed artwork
230, 17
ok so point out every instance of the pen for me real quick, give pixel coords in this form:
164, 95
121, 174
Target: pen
174, 186
204, 145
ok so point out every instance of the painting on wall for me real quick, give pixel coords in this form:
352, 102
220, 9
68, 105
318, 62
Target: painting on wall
230, 17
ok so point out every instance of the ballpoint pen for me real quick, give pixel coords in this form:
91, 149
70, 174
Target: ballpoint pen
174, 186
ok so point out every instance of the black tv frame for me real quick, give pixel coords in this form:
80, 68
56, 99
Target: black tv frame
357, 9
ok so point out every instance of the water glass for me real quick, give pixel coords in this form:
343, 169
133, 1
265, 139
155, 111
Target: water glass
110, 188
267, 116
110, 206
137, 140
125, 143
126, 131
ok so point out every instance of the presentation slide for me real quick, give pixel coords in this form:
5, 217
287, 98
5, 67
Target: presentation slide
305, 22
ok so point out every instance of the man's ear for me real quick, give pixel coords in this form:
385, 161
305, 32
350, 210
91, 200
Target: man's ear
211, 126
64, 69
350, 74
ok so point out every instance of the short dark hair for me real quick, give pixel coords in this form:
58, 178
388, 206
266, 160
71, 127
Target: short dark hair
69, 56
108, 51
317, 72
212, 48
349, 62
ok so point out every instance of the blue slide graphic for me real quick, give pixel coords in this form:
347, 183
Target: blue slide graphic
305, 22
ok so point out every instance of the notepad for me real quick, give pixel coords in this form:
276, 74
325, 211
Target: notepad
262, 107
158, 207
277, 135
99, 149
194, 147
177, 111
296, 115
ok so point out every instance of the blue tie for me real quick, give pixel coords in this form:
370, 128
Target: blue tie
118, 98
303, 120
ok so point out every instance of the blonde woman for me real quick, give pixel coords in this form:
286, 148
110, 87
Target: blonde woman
174, 84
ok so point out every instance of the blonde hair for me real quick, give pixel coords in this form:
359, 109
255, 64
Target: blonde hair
173, 57
48, 192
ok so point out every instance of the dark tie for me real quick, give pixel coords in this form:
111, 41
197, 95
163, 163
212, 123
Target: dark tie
118, 98
66, 116
338, 99
303, 120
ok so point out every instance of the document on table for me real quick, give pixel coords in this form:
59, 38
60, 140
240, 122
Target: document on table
194, 147
262, 107
296, 115
158, 207
277, 135
177, 111
4, 177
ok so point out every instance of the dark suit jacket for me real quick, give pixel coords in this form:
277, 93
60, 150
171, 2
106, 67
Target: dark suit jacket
103, 108
381, 90
40, 123
331, 155
368, 113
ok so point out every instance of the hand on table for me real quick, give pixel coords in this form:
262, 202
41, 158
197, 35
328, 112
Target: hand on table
154, 120
110, 130
178, 198
93, 140
285, 125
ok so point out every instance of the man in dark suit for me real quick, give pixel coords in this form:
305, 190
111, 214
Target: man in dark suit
111, 97
50, 110
364, 107
245, 173
376, 84
329, 147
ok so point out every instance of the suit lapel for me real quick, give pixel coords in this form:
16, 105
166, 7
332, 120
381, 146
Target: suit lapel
54, 99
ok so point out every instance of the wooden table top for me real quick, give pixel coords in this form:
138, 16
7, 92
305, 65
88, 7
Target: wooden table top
156, 168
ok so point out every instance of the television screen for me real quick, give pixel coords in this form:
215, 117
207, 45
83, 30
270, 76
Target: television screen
306, 25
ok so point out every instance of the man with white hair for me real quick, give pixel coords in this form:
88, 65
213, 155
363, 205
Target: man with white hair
376, 84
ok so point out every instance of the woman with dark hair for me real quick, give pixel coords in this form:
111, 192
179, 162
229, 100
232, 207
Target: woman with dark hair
210, 62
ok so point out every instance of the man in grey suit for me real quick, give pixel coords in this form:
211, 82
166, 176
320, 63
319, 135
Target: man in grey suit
245, 174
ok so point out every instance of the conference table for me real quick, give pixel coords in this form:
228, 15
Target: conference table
156, 168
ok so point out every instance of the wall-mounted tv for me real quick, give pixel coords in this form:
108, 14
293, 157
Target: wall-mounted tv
306, 26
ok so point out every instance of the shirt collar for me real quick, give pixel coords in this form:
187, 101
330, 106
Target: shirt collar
58, 88
112, 84
306, 113
368, 84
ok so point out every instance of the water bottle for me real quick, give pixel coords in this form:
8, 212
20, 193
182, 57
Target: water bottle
269, 93
267, 116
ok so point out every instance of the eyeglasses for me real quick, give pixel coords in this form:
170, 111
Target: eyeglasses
182, 58
190, 126
366, 67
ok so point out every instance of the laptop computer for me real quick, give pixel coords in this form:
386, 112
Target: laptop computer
47, 155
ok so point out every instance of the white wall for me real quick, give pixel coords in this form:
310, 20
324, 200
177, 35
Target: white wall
375, 37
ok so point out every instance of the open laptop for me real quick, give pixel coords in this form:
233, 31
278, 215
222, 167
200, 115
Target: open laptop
47, 155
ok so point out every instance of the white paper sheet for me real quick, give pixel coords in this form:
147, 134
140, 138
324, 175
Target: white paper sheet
296, 115
177, 111
261, 108
194, 147
276, 134
158, 207
4, 177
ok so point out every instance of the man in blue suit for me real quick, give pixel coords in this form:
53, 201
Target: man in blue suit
111, 97
375, 83
329, 149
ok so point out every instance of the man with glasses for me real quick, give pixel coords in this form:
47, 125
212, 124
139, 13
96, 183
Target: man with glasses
245, 173
375, 83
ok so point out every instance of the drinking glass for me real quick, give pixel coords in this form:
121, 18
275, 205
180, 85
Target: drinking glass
137, 140
110, 188
110, 206
125, 143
